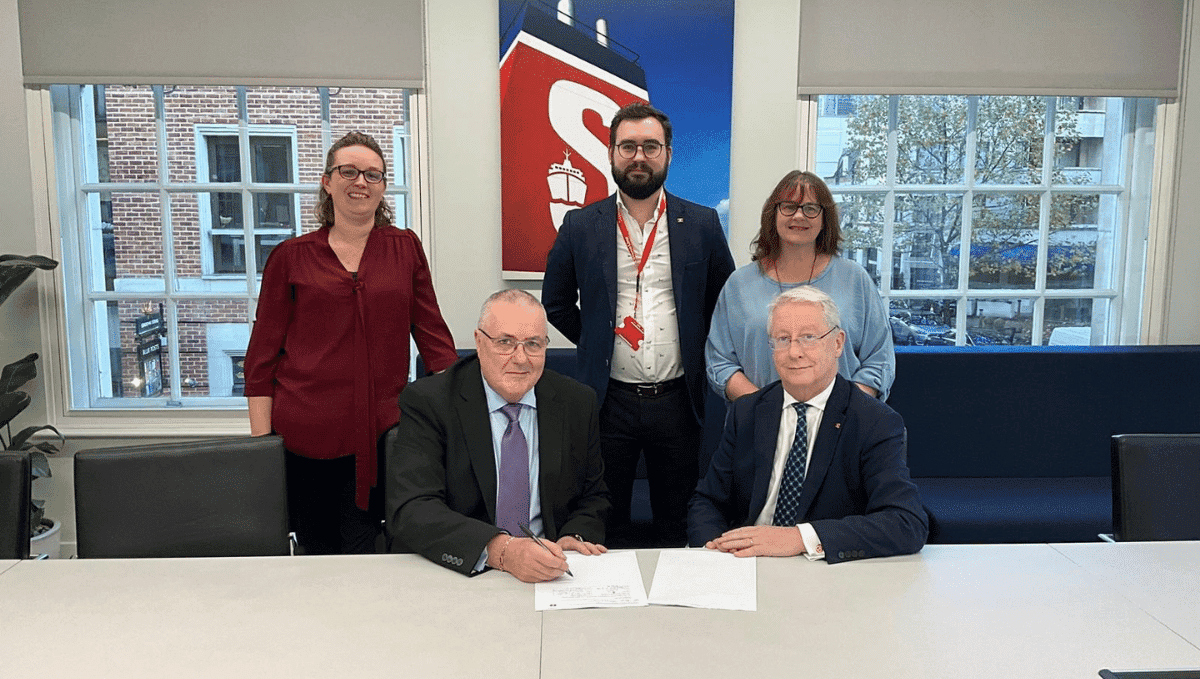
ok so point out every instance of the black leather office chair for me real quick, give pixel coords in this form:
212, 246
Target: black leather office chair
15, 493
217, 497
1156, 487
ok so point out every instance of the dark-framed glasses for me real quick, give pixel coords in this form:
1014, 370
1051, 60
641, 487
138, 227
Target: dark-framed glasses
650, 149
351, 173
787, 208
507, 345
784, 342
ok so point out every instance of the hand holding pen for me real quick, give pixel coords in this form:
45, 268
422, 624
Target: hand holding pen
529, 534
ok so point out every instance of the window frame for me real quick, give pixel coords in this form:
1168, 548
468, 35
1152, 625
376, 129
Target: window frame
247, 187
1125, 322
56, 162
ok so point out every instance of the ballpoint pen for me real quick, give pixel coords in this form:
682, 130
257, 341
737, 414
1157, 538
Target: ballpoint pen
529, 534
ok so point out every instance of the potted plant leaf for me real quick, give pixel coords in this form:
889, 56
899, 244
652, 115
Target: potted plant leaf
14, 270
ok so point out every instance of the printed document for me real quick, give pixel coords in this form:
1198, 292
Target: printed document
705, 578
610, 580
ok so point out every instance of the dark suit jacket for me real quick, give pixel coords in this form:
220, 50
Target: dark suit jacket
857, 493
582, 267
441, 471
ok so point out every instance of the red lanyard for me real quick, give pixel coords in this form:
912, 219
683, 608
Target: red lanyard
662, 204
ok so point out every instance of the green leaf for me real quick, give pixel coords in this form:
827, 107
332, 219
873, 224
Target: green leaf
20, 439
17, 373
39, 464
11, 405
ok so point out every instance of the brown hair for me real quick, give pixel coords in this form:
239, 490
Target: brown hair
829, 241
324, 207
638, 111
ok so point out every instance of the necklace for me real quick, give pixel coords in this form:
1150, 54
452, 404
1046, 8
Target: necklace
778, 282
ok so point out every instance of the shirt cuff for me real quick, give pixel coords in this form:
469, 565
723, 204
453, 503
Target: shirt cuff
481, 565
813, 550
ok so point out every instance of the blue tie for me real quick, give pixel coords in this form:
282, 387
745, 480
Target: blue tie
787, 506
512, 497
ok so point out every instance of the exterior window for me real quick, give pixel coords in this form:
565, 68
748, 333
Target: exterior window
222, 219
1011, 220
170, 200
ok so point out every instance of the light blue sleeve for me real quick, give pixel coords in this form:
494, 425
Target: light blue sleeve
876, 354
720, 356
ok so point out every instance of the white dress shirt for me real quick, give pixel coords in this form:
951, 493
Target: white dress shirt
783, 445
658, 357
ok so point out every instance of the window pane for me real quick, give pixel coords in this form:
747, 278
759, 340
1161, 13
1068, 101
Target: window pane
927, 236
138, 348
1080, 131
1075, 321
999, 321
1075, 241
1004, 237
125, 138
1010, 136
861, 221
852, 149
212, 333
187, 108
931, 140
928, 322
136, 243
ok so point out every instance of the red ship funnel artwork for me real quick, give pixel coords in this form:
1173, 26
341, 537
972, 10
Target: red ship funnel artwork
560, 85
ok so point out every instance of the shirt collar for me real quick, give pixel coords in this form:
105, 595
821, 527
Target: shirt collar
817, 401
654, 218
495, 401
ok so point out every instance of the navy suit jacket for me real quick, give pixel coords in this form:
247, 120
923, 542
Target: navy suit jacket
441, 470
857, 493
579, 290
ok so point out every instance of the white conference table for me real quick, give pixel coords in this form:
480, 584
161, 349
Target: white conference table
1163, 578
951, 611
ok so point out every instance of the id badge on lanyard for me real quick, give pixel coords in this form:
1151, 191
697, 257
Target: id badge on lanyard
629, 329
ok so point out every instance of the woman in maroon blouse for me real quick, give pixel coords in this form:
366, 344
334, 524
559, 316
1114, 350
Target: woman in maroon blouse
329, 352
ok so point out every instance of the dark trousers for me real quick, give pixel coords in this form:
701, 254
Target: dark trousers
665, 430
321, 507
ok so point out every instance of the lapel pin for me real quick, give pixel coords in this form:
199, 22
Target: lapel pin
837, 425
679, 220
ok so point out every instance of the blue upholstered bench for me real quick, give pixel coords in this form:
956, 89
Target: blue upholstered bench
1012, 444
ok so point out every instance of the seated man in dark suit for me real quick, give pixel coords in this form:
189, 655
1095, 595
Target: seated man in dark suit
809, 465
494, 443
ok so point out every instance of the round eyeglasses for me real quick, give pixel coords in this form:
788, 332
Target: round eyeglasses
650, 149
351, 173
784, 343
507, 345
788, 208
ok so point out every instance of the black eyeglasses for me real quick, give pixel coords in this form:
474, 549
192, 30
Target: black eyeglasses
507, 345
351, 173
788, 208
784, 343
650, 149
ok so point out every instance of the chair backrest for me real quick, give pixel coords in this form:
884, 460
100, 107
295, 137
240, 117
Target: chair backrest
15, 493
1156, 487
216, 497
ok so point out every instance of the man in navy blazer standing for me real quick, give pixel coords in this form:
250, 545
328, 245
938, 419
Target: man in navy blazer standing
632, 280
809, 465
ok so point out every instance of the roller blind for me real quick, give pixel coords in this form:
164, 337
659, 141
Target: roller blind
1064, 47
370, 43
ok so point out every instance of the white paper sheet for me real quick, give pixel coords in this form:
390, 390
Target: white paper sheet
704, 578
610, 580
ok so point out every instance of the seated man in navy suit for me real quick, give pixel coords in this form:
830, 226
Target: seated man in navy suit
809, 465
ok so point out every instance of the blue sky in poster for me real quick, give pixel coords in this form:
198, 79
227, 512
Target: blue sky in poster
686, 49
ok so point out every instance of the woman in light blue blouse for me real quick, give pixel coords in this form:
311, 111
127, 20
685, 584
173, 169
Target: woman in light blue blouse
798, 244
